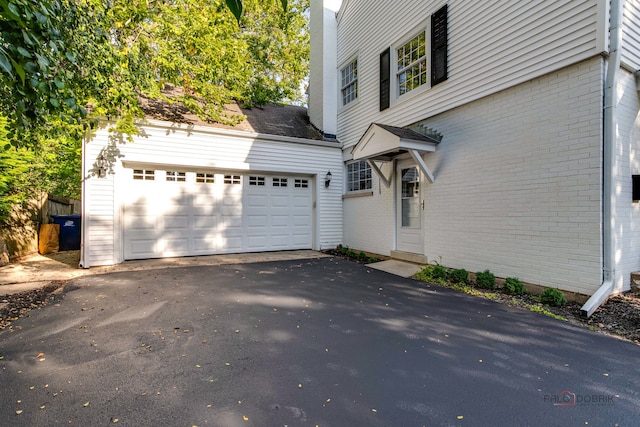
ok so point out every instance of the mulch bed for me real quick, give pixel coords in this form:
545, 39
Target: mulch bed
14, 306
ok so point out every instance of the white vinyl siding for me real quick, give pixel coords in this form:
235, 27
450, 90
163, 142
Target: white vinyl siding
631, 35
199, 150
491, 46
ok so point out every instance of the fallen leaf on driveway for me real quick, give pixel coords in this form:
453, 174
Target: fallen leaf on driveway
40, 355
245, 418
86, 404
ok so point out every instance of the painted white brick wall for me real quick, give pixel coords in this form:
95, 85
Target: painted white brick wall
628, 162
518, 184
367, 219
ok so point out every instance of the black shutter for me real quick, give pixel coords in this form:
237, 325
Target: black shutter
439, 46
385, 81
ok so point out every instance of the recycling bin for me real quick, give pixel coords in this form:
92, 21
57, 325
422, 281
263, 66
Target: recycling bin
69, 231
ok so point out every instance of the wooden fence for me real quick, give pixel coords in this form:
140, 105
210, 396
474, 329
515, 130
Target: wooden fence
19, 235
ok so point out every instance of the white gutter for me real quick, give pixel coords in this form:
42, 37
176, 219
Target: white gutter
609, 160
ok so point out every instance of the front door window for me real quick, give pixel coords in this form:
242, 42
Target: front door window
410, 198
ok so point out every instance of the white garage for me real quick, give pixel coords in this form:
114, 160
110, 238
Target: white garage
192, 189
171, 213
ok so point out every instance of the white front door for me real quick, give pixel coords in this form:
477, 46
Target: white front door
409, 210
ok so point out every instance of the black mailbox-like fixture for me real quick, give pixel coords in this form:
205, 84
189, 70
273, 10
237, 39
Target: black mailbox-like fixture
635, 185
327, 179
101, 165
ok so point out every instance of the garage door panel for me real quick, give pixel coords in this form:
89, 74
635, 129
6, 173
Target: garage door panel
230, 222
258, 221
279, 220
204, 222
166, 218
206, 244
176, 222
258, 242
231, 244
143, 247
280, 201
175, 246
254, 200
140, 222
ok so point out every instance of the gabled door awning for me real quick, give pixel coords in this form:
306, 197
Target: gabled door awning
383, 143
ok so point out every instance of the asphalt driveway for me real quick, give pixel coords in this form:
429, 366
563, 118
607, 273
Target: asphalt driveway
322, 342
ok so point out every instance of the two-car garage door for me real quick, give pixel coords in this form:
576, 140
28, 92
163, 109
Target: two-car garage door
180, 213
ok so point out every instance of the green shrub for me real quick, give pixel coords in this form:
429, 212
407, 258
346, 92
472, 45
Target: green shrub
362, 256
351, 254
430, 274
552, 297
485, 280
343, 249
439, 272
458, 276
513, 286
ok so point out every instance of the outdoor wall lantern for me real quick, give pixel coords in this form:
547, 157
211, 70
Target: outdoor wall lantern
101, 164
327, 179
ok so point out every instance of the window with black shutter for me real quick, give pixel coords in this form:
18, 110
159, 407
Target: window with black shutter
385, 89
439, 46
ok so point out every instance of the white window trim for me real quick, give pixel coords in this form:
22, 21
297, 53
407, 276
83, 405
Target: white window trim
425, 27
345, 64
347, 181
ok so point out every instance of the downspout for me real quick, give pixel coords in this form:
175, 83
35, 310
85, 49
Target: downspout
608, 159
83, 195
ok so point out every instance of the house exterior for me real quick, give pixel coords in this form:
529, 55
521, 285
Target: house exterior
186, 188
497, 135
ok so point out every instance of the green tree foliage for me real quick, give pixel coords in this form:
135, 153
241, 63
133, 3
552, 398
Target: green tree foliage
66, 63
52, 165
58, 57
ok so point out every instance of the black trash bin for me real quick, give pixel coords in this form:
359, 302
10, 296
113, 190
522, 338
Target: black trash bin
69, 231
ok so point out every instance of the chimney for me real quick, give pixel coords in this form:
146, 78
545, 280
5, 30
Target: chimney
323, 78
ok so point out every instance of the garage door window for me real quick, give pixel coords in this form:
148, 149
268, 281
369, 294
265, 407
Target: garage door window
143, 175
301, 183
279, 182
205, 178
257, 180
176, 176
232, 179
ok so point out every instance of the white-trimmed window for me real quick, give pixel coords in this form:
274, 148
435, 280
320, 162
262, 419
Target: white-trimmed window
174, 176
411, 64
279, 182
349, 82
407, 61
144, 174
205, 178
301, 183
257, 180
358, 176
232, 179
